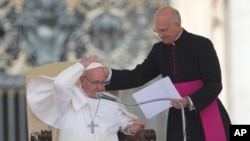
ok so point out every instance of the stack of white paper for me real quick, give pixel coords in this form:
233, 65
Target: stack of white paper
163, 89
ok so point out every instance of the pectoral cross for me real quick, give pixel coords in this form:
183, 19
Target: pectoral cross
92, 126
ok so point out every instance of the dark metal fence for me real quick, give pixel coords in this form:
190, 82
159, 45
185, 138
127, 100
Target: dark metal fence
13, 124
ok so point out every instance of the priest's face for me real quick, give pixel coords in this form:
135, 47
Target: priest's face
167, 27
93, 81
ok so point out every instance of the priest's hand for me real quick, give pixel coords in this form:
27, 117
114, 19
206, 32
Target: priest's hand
183, 101
86, 61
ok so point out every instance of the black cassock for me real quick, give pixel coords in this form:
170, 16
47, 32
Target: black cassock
192, 58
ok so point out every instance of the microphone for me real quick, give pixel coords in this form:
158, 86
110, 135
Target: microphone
100, 95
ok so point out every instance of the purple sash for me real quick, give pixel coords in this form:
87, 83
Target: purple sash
210, 116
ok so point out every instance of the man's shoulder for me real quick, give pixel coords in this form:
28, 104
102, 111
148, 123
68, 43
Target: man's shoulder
196, 37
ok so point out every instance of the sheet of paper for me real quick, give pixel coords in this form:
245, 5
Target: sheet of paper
161, 89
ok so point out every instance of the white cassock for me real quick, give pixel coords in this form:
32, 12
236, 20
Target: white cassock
60, 103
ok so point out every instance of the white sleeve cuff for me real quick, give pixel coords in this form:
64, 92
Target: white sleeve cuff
109, 76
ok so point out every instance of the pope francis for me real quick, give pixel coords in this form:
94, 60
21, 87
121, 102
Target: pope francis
61, 103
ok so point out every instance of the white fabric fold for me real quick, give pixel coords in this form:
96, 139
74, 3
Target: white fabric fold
40, 100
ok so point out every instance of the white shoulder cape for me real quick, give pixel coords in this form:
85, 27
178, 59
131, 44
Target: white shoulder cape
40, 100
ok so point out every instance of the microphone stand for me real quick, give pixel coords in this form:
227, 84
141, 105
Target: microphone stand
100, 95
160, 99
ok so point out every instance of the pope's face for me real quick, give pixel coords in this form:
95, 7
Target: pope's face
93, 81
